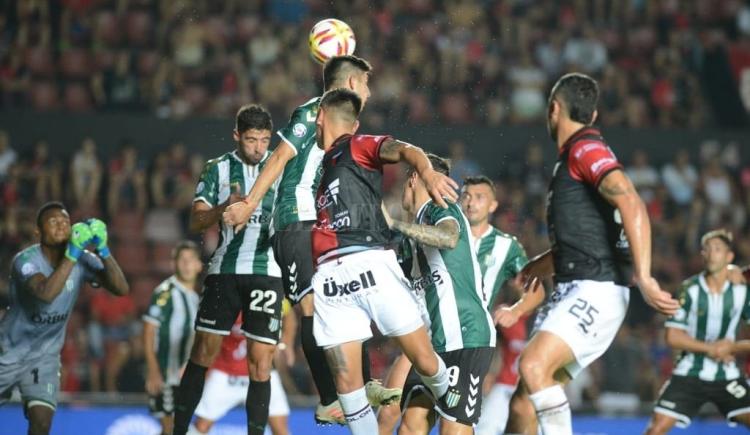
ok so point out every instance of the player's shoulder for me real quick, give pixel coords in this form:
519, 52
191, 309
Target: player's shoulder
497, 233
307, 111
27, 254
27, 262
688, 283
212, 163
165, 286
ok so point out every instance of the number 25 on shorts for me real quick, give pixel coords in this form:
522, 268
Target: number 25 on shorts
584, 312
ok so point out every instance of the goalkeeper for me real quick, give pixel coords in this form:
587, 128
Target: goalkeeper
45, 280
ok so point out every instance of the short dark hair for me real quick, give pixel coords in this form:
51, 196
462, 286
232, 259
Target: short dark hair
579, 94
253, 116
51, 205
479, 179
337, 67
345, 101
185, 245
439, 164
721, 234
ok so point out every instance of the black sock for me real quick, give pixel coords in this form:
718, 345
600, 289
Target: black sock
365, 363
316, 359
256, 406
188, 395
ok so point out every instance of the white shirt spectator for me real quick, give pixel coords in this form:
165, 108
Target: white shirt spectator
680, 179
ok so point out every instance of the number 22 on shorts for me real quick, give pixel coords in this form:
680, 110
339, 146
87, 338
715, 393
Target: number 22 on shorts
584, 312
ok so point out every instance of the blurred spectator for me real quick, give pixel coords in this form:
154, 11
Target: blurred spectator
720, 195
8, 156
461, 165
644, 176
585, 51
127, 185
86, 177
44, 174
680, 179
109, 331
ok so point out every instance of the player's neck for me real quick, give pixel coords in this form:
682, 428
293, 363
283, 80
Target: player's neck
565, 130
479, 229
187, 284
54, 254
716, 280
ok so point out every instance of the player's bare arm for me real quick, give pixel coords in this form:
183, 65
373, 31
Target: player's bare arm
154, 380
48, 288
237, 214
537, 270
679, 339
508, 316
203, 216
438, 185
112, 277
442, 236
619, 191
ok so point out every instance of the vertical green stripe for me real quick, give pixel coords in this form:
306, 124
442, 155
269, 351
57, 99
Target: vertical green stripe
486, 245
260, 259
700, 333
229, 260
726, 318
470, 306
187, 328
433, 303
162, 352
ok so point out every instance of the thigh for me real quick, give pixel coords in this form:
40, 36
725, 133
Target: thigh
417, 417
40, 382
292, 248
220, 303
392, 304
220, 395
262, 299
586, 315
732, 398
10, 375
681, 398
337, 320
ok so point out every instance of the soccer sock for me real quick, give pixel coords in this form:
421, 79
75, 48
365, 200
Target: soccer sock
316, 359
359, 414
188, 395
365, 363
437, 383
553, 411
256, 406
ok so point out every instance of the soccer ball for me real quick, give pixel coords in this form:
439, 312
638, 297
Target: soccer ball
331, 37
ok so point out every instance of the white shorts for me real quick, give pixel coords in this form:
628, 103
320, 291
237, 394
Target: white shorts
586, 315
495, 410
357, 289
222, 392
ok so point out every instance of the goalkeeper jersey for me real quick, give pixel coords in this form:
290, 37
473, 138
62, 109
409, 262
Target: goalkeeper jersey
295, 200
172, 309
500, 257
249, 250
709, 317
450, 283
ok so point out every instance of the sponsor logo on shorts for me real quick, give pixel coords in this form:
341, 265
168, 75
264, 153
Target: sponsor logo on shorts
452, 398
49, 318
206, 321
470, 408
667, 404
274, 324
365, 281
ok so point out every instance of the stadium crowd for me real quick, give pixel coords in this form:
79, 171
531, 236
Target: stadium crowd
146, 203
665, 63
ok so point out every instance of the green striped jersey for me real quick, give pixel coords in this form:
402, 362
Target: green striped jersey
295, 201
248, 251
450, 283
172, 309
500, 257
709, 317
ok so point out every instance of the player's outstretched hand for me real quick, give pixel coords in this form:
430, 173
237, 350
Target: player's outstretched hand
80, 236
99, 230
735, 275
505, 316
237, 215
722, 350
440, 187
660, 300
154, 382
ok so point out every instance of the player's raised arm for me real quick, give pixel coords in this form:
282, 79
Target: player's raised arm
237, 214
438, 185
507, 316
619, 191
111, 277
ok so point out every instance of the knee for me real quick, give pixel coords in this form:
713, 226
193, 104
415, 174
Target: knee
306, 305
533, 370
260, 360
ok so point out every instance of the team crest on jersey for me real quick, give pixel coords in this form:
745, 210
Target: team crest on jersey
299, 130
452, 398
274, 324
28, 269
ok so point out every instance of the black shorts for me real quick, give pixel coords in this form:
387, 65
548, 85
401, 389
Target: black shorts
258, 297
683, 396
466, 371
163, 404
292, 248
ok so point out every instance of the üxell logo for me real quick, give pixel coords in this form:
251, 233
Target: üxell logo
365, 281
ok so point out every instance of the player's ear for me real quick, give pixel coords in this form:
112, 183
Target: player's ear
594, 116
493, 206
236, 135
355, 127
730, 258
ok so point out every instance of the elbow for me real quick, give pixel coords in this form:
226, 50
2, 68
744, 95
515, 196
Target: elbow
669, 338
194, 227
452, 242
123, 289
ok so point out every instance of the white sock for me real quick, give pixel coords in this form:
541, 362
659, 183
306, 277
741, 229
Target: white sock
192, 430
358, 413
437, 383
553, 411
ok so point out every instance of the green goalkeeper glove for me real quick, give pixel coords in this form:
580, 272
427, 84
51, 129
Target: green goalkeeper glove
99, 231
80, 236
